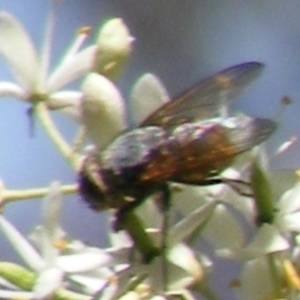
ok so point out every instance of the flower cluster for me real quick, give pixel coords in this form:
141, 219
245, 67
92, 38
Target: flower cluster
254, 223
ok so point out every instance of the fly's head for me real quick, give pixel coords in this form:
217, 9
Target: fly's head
92, 186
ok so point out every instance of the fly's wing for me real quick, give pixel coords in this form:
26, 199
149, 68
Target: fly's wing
205, 99
245, 133
221, 147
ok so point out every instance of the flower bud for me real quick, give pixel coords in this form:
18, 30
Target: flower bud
103, 111
114, 48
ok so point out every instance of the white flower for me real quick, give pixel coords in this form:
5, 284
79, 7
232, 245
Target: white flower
175, 270
277, 236
287, 217
274, 244
53, 266
257, 282
31, 69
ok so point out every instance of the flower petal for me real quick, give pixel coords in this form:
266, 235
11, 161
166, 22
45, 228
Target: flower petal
49, 281
67, 102
183, 257
257, 280
267, 240
187, 198
282, 180
21, 245
110, 292
223, 231
83, 262
5, 294
177, 277
90, 284
193, 222
290, 200
9, 89
147, 95
103, 110
18, 50
288, 223
52, 206
119, 239
71, 69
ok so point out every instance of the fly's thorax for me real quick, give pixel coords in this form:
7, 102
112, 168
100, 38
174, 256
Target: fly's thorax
193, 131
130, 152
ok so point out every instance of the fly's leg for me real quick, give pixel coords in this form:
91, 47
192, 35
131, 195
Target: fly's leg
165, 205
240, 186
126, 219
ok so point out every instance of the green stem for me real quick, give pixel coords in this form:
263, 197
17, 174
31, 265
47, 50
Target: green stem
143, 242
55, 135
14, 195
263, 194
25, 280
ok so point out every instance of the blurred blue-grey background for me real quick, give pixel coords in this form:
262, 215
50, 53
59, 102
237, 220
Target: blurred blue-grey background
181, 42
